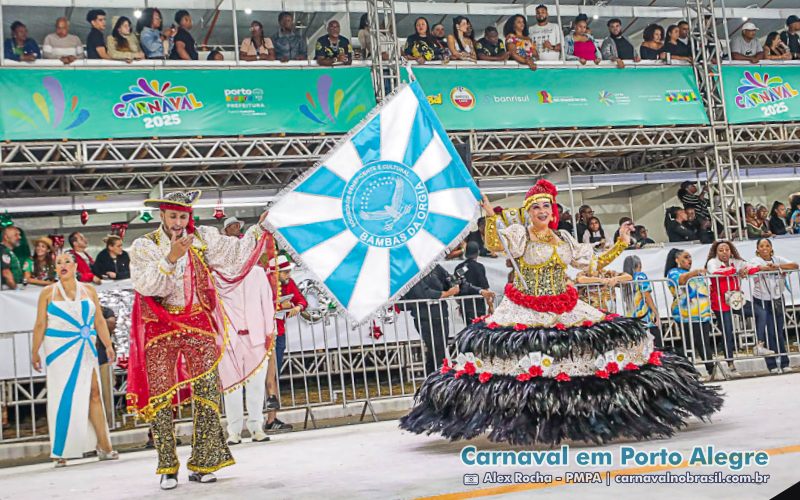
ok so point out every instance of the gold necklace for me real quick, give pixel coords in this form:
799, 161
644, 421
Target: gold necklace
545, 236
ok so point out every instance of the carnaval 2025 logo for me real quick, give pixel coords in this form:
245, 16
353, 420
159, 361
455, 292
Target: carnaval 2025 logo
157, 104
765, 92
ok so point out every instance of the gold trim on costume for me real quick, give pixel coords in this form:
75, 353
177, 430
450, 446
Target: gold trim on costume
612, 253
209, 470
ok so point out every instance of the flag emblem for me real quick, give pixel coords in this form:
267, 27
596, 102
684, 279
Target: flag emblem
381, 208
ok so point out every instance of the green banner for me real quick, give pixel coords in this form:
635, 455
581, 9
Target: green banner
768, 93
501, 98
103, 103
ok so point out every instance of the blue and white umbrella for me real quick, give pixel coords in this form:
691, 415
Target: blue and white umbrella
381, 208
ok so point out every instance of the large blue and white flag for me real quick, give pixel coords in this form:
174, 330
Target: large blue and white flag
381, 208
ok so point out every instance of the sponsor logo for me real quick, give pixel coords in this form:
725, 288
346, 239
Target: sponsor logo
51, 108
544, 97
680, 96
462, 98
500, 99
329, 105
611, 98
757, 90
155, 99
435, 100
245, 101
244, 95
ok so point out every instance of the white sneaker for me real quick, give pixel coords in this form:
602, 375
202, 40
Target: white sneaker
760, 350
260, 436
787, 369
234, 439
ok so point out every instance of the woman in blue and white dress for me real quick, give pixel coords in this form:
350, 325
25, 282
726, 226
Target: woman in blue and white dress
68, 322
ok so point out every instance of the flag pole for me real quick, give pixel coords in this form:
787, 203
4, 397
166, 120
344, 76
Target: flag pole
411, 76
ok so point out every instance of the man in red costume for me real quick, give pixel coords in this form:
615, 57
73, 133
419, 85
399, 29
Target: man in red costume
178, 327
85, 261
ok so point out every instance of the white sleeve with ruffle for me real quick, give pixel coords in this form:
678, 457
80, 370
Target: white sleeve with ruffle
226, 254
152, 275
582, 253
516, 238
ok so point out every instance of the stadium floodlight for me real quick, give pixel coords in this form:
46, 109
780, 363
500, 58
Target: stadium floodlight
595, 17
137, 13
248, 11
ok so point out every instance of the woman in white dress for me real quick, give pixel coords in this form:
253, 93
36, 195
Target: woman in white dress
68, 322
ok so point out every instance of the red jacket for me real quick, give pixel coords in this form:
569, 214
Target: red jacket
85, 273
290, 288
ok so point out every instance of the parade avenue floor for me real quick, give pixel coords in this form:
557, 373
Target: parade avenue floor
377, 460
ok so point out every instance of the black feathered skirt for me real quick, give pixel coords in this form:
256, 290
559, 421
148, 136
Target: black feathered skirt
593, 381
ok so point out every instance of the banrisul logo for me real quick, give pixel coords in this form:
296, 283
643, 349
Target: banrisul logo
757, 90
50, 108
328, 105
157, 104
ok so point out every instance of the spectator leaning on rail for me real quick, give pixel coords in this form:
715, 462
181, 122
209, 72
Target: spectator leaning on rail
683, 32
775, 49
185, 48
289, 44
112, 262
547, 36
460, 42
581, 46
676, 49
638, 298
333, 48
617, 47
745, 47
440, 47
642, 239
652, 48
257, 47
62, 44
83, 260
19, 47
365, 40
585, 213
420, 46
753, 226
40, 268
122, 44
491, 47
791, 37
155, 43
96, 41
10, 266
518, 41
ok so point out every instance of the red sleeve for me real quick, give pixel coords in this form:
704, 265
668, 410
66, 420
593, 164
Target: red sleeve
85, 274
728, 271
297, 297
753, 270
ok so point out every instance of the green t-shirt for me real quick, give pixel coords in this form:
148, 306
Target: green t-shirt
10, 261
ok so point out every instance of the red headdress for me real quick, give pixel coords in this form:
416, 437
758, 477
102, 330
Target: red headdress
543, 191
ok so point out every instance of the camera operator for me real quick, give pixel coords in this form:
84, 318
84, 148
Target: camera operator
474, 273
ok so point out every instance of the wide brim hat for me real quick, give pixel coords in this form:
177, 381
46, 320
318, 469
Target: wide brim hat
47, 241
283, 264
184, 199
231, 221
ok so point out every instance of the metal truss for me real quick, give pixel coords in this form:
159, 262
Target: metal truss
383, 38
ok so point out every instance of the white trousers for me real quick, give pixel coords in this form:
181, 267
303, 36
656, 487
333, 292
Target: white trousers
254, 396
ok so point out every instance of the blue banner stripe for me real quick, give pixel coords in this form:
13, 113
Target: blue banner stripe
343, 279
323, 182
307, 236
368, 141
443, 227
449, 178
64, 414
61, 334
402, 268
421, 135
61, 350
53, 309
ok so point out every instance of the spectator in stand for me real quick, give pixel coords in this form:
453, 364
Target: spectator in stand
112, 262
84, 261
518, 42
652, 47
62, 44
691, 306
564, 219
333, 49
675, 224
40, 268
642, 238
638, 298
257, 47
777, 219
677, 50
10, 266
594, 233
289, 44
477, 238
762, 214
768, 303
753, 226
19, 47
96, 41
290, 303
420, 46
626, 221
794, 223
617, 47
474, 273
791, 37
547, 36
794, 202
692, 222
440, 41
155, 43
185, 48
490, 47
745, 47
215, 54
585, 213
122, 44
690, 198
704, 232
726, 267
233, 227
460, 44
365, 40
581, 46
683, 32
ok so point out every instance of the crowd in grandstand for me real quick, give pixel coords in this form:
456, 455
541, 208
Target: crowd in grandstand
150, 38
